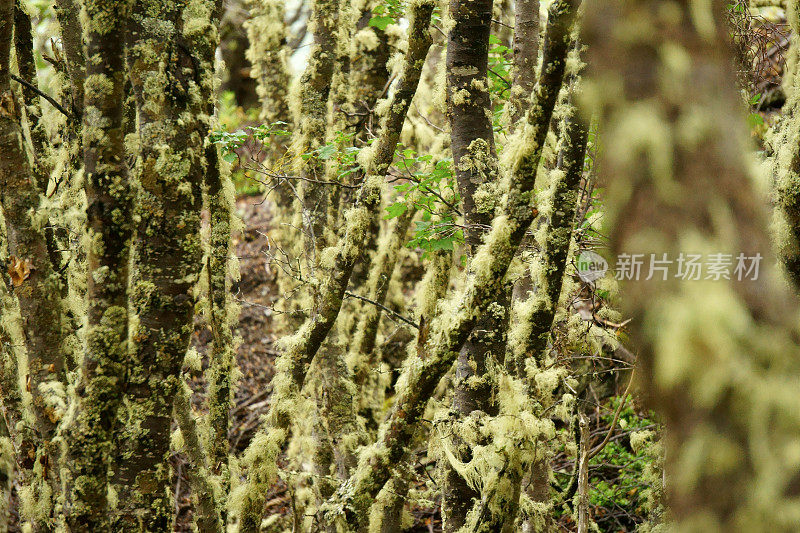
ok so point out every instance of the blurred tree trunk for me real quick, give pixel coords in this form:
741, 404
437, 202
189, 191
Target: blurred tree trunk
718, 358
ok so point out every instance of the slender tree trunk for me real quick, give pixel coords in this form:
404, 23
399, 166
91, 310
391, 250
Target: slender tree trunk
363, 348
221, 204
315, 86
26, 64
207, 514
29, 274
68, 13
786, 162
430, 292
536, 320
269, 54
475, 161
526, 56
99, 391
367, 83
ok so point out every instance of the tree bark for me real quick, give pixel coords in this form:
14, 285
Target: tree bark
167, 253
526, 56
99, 391
475, 162
68, 13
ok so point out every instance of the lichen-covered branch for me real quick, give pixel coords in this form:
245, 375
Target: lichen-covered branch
301, 348
314, 88
477, 174
221, 266
536, 318
266, 33
486, 284
380, 276
26, 64
206, 493
785, 164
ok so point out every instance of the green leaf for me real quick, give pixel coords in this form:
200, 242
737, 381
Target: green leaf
395, 210
754, 119
326, 152
442, 244
381, 22
231, 157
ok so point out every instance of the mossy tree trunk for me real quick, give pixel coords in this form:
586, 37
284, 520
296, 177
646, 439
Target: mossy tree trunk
68, 13
786, 159
167, 256
717, 358
108, 192
30, 277
26, 65
315, 88
477, 174
526, 55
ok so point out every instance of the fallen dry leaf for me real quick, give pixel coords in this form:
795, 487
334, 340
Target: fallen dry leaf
19, 270
7, 106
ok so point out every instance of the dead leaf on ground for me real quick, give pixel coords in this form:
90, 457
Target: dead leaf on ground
19, 270
7, 106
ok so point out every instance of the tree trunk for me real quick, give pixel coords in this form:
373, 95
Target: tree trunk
99, 391
718, 358
526, 56
167, 255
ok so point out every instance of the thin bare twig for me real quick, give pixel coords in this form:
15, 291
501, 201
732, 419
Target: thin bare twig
394, 314
43, 95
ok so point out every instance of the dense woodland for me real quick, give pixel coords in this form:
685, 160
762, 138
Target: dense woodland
399, 265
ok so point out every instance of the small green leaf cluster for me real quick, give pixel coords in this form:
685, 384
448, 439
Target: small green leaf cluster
230, 142
341, 152
387, 13
500, 63
430, 188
